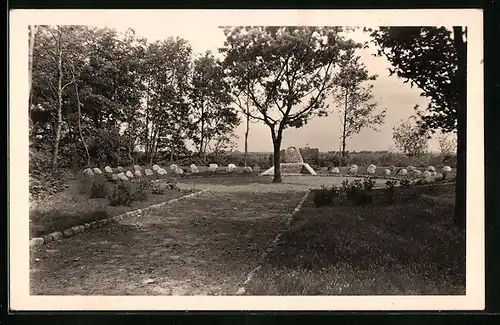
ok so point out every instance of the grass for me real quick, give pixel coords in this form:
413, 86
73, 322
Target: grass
400, 249
71, 208
202, 246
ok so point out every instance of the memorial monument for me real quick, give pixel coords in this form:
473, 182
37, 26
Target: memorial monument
292, 164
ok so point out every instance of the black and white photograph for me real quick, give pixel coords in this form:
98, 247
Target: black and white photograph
249, 159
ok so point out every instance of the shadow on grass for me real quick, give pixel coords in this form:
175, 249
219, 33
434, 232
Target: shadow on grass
400, 249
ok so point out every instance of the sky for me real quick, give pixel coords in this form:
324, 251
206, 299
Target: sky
323, 133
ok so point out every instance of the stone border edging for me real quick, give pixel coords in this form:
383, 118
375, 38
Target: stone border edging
273, 244
70, 232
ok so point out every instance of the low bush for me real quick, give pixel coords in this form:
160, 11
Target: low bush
121, 194
368, 184
405, 183
158, 189
325, 196
140, 193
358, 192
172, 183
145, 184
389, 191
44, 180
99, 189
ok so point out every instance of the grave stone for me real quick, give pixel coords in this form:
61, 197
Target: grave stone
148, 172
213, 168
403, 172
231, 168
129, 174
194, 169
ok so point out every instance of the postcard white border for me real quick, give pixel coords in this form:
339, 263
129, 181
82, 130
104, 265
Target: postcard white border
18, 154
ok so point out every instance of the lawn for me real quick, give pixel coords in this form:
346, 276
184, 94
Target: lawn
71, 208
400, 249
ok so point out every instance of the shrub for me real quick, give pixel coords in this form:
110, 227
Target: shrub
405, 183
368, 184
145, 184
44, 180
389, 191
139, 192
99, 188
357, 193
121, 194
158, 189
325, 196
172, 183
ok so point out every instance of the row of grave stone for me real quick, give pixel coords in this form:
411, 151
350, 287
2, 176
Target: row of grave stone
124, 174
428, 173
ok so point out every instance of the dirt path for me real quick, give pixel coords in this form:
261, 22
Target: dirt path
200, 246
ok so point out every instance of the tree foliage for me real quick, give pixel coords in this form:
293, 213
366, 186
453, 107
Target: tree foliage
212, 115
425, 57
408, 138
352, 94
98, 95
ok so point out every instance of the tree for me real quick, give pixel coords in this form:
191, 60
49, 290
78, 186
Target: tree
243, 103
51, 76
435, 60
211, 113
101, 67
166, 69
354, 98
285, 72
447, 144
408, 138
31, 45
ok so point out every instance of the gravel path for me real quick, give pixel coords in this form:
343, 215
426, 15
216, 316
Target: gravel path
200, 246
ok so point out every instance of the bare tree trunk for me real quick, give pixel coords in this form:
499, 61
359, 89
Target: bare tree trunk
460, 189
344, 128
202, 133
246, 133
154, 145
32, 33
276, 156
80, 118
59, 99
